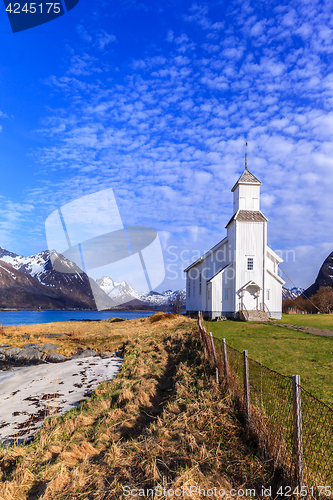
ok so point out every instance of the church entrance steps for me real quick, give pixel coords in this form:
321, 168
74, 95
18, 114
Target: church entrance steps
257, 315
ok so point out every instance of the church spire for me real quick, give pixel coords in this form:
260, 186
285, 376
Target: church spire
245, 155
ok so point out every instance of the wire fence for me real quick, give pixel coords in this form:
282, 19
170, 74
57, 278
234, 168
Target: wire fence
292, 427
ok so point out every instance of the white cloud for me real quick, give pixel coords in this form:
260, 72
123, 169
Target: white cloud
170, 36
181, 39
83, 65
257, 29
103, 39
83, 33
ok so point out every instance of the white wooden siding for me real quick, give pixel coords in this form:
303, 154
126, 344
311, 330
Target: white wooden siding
250, 242
208, 267
228, 284
274, 304
246, 197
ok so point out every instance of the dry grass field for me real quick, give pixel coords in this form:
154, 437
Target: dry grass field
71, 336
162, 421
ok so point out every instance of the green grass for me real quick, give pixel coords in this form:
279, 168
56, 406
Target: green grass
285, 351
324, 321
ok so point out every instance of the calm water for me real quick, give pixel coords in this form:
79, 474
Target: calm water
37, 317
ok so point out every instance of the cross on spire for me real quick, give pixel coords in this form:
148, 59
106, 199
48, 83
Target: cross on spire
245, 155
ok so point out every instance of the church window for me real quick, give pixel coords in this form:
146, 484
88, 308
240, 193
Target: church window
226, 294
268, 294
199, 283
193, 288
189, 287
250, 263
255, 203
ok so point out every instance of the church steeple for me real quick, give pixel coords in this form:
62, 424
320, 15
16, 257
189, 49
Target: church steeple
246, 190
246, 178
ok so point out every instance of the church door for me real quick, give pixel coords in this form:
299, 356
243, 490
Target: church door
251, 298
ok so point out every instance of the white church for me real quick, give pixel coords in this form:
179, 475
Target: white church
238, 277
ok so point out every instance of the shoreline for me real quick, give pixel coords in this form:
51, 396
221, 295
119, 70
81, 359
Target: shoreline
85, 310
32, 317
40, 391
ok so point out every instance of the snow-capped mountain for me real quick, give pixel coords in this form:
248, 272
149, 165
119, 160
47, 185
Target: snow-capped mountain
163, 298
120, 293
40, 264
49, 280
123, 293
291, 293
54, 282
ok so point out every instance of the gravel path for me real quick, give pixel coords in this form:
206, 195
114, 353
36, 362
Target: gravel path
305, 329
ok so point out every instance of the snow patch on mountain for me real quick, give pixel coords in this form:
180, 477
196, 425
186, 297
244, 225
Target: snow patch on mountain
163, 298
291, 293
125, 292
35, 265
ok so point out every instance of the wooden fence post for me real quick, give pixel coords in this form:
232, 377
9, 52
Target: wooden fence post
206, 347
297, 421
202, 333
213, 347
199, 325
215, 358
225, 362
247, 386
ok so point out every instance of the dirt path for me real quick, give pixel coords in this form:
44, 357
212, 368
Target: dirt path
305, 329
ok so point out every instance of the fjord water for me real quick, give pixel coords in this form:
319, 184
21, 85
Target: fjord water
38, 317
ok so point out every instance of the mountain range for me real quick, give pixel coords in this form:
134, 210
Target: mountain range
123, 293
48, 280
291, 293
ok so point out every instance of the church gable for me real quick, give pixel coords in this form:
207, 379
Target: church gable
246, 178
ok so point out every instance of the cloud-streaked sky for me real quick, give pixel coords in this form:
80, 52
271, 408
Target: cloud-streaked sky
155, 100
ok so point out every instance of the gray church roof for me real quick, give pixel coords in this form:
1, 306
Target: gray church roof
248, 216
209, 252
218, 272
246, 178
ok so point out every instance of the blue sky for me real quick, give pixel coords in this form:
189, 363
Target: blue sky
155, 100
